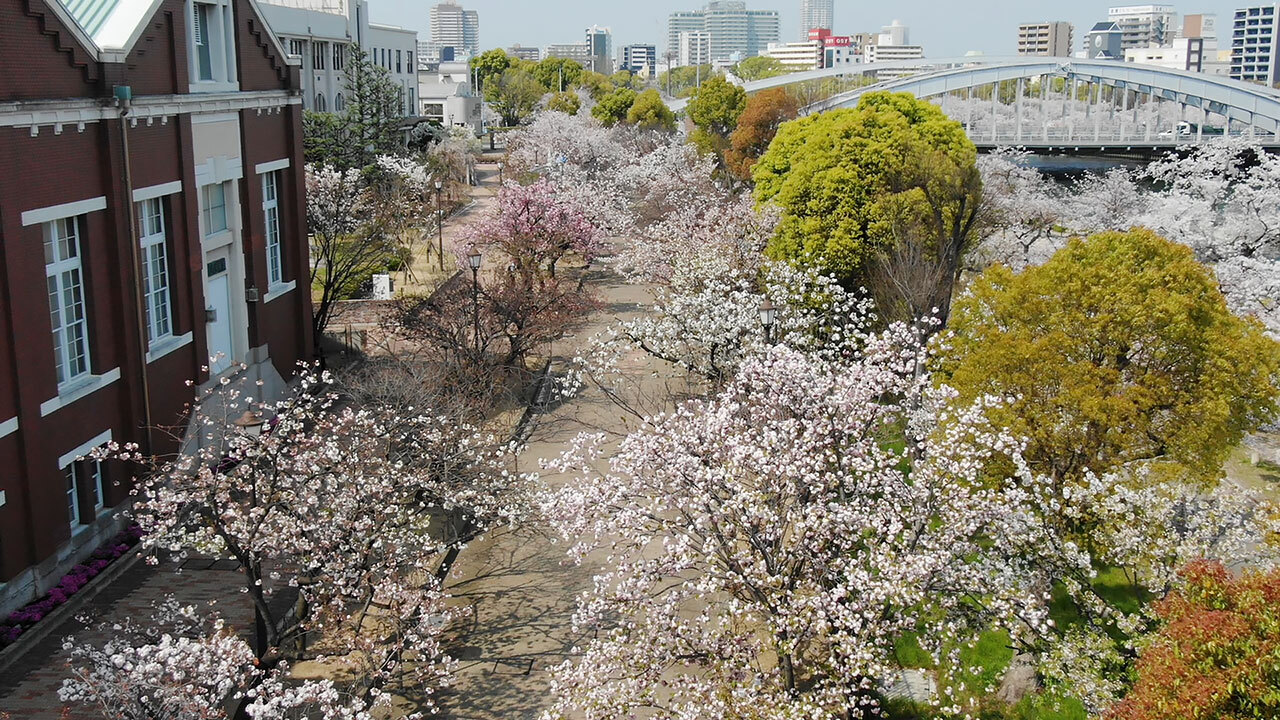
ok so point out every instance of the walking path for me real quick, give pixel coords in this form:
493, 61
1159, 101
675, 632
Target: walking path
519, 582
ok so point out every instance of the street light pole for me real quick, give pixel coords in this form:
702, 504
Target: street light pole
474, 261
439, 226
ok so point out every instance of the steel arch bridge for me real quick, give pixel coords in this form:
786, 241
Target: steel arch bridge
1121, 103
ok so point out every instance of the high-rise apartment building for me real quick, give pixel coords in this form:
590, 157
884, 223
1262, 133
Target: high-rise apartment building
815, 15
1254, 36
452, 26
732, 28
600, 46
1045, 38
693, 48
1142, 25
532, 54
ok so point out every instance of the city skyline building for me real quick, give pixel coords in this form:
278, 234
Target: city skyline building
694, 49
639, 59
1105, 41
816, 15
732, 28
1142, 25
600, 47
1254, 37
1053, 39
456, 27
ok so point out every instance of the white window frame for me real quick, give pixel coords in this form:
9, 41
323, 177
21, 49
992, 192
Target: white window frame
76, 468
157, 293
64, 273
218, 33
271, 224
206, 210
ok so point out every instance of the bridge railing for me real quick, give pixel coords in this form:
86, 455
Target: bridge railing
1087, 136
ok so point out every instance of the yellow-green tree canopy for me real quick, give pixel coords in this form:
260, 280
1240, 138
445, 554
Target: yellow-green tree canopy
852, 183
566, 102
613, 108
649, 112
1120, 349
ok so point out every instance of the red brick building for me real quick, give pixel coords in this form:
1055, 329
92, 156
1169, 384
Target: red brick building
151, 218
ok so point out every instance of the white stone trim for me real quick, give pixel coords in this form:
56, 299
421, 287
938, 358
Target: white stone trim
154, 191
9, 427
168, 345
276, 291
219, 169
216, 117
272, 166
80, 390
71, 209
34, 114
99, 440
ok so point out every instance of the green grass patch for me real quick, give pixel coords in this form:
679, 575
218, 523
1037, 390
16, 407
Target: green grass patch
1112, 585
909, 654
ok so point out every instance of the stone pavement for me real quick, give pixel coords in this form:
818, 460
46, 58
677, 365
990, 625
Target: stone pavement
29, 688
519, 583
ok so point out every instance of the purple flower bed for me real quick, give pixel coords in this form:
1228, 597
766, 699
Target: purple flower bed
21, 620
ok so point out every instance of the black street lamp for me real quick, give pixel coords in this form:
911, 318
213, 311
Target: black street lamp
439, 226
474, 261
768, 316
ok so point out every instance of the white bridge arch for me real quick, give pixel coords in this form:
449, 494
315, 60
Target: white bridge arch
1245, 108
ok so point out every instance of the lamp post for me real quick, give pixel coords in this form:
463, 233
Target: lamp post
439, 226
474, 261
250, 423
768, 316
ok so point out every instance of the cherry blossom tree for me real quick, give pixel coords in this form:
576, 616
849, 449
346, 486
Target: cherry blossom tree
359, 511
185, 664
533, 226
768, 546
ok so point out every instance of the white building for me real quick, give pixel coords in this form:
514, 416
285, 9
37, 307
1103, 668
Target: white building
322, 34
445, 96
1045, 38
532, 54
1181, 54
394, 48
816, 14
891, 45
452, 26
1141, 25
731, 26
805, 55
1254, 36
693, 48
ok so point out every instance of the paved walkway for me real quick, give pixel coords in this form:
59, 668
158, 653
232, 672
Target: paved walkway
29, 688
518, 582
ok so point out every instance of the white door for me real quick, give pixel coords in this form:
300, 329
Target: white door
218, 312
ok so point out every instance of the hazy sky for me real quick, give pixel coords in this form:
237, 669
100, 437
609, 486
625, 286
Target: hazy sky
943, 27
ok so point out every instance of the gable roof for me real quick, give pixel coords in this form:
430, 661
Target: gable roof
110, 28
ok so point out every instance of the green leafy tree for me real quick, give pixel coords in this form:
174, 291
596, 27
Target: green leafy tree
759, 68
596, 85
490, 64
565, 102
682, 81
1119, 350
717, 105
613, 108
649, 112
558, 74
894, 176
624, 78
514, 96
370, 123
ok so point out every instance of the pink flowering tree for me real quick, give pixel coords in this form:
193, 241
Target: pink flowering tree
768, 547
185, 664
359, 511
533, 226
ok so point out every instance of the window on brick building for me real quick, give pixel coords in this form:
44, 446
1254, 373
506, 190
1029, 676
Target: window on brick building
155, 270
85, 491
271, 215
64, 276
213, 59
